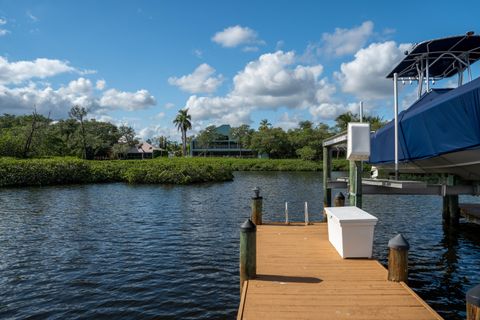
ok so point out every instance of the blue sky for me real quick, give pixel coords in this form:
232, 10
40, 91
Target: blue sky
138, 62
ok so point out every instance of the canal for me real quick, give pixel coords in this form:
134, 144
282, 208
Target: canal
171, 252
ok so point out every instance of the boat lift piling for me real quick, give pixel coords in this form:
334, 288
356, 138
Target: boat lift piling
395, 104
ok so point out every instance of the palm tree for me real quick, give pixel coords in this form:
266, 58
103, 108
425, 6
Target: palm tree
183, 123
343, 120
264, 124
376, 122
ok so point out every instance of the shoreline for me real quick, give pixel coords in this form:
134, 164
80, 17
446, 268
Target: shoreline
177, 171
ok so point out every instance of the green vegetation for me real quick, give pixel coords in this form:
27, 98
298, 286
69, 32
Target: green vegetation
54, 171
237, 164
66, 170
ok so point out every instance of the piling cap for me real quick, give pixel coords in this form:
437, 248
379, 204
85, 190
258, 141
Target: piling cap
398, 242
256, 191
248, 226
473, 296
340, 196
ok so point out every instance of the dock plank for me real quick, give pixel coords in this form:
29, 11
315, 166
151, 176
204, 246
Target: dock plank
300, 275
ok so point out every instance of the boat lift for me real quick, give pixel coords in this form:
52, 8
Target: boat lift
431, 61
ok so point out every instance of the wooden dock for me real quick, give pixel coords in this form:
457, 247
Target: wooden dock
300, 275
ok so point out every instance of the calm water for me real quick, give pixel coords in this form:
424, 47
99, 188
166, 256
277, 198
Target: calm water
122, 251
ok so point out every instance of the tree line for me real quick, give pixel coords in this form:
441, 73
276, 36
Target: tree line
304, 141
35, 135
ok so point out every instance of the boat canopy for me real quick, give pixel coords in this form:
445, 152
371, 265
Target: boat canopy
439, 58
425, 129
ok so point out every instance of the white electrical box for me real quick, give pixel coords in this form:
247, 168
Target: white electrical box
350, 231
358, 141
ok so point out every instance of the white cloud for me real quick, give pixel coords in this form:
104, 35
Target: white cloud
47, 100
169, 105
58, 102
365, 76
347, 41
328, 111
31, 16
237, 35
201, 80
129, 101
198, 53
16, 72
100, 84
271, 82
250, 49
155, 131
287, 121
86, 72
104, 118
81, 86
160, 115
280, 44
3, 32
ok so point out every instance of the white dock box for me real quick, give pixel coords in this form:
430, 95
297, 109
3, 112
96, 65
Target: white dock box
350, 231
358, 141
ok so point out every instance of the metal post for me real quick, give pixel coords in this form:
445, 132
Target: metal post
473, 303
469, 70
248, 252
427, 72
361, 111
398, 259
358, 184
257, 207
327, 174
395, 103
286, 213
307, 220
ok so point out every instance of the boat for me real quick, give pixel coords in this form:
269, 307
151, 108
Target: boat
440, 131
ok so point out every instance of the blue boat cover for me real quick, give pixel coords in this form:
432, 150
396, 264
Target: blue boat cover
442, 121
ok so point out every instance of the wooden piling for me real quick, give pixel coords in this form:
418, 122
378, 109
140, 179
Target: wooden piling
248, 252
398, 259
473, 303
257, 204
445, 210
355, 183
339, 200
454, 210
451, 210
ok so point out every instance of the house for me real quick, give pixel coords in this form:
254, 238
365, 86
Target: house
224, 146
142, 150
